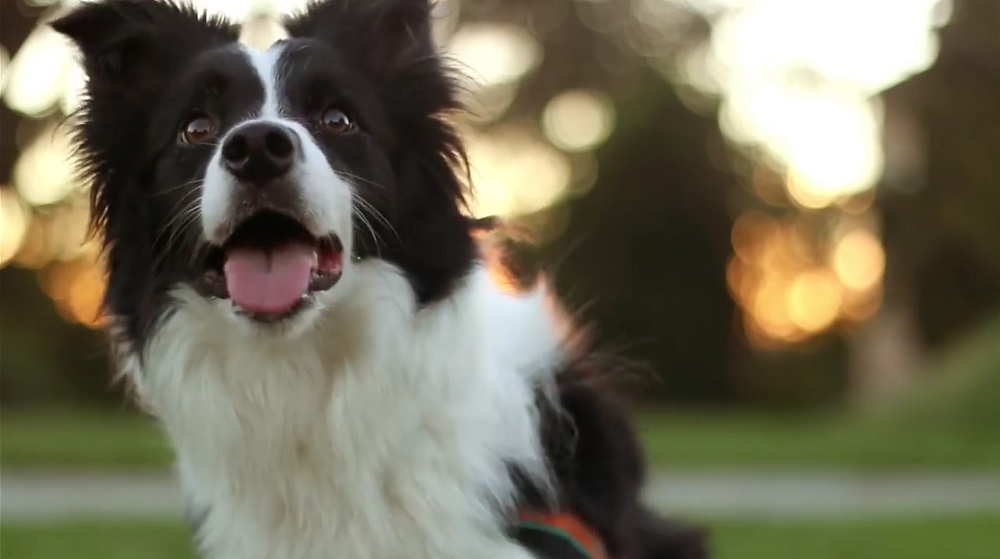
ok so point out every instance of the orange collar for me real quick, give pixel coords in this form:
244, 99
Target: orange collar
568, 527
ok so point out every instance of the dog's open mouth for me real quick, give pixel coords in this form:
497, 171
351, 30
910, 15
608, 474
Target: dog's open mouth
271, 266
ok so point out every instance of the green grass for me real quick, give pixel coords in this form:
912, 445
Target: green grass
126, 442
951, 420
76, 439
801, 441
960, 391
968, 537
95, 540
959, 537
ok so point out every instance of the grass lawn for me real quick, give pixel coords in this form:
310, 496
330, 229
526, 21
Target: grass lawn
970, 537
962, 537
79, 440
950, 420
105, 441
817, 441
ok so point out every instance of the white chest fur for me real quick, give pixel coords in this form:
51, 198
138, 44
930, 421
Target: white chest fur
379, 432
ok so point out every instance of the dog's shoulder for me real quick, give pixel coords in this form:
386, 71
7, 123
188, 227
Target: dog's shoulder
598, 470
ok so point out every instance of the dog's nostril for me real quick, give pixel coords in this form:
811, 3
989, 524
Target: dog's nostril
279, 144
260, 152
236, 149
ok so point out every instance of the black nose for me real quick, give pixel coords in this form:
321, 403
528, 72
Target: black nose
260, 152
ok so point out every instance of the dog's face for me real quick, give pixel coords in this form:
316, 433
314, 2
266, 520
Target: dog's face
258, 179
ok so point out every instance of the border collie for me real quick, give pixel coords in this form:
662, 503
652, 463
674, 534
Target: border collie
297, 294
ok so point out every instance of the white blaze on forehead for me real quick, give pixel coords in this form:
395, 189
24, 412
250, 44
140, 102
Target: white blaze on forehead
266, 64
327, 196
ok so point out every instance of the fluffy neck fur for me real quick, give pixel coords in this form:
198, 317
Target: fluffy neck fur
383, 431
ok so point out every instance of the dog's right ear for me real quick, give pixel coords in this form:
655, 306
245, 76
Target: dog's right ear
386, 38
140, 42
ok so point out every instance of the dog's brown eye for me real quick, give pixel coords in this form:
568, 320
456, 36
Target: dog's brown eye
197, 130
337, 121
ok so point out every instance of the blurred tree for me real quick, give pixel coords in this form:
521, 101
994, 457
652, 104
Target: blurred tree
940, 195
642, 254
649, 246
44, 359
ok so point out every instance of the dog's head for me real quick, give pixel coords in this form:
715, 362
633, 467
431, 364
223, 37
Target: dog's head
260, 179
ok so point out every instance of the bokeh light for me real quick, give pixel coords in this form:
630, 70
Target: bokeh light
859, 260
792, 85
76, 286
38, 72
14, 220
44, 173
578, 120
494, 54
4, 68
515, 172
814, 300
793, 282
800, 96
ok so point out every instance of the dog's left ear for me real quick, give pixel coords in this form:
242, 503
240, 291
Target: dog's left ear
386, 37
136, 45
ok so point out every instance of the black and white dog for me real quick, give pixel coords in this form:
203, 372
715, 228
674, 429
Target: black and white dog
297, 295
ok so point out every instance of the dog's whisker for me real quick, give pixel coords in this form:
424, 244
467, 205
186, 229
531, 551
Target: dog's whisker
178, 225
188, 203
371, 231
367, 207
345, 174
188, 184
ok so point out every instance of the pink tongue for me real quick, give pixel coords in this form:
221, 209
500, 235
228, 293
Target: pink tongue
270, 282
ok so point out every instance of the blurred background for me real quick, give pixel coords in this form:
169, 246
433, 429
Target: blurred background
782, 218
